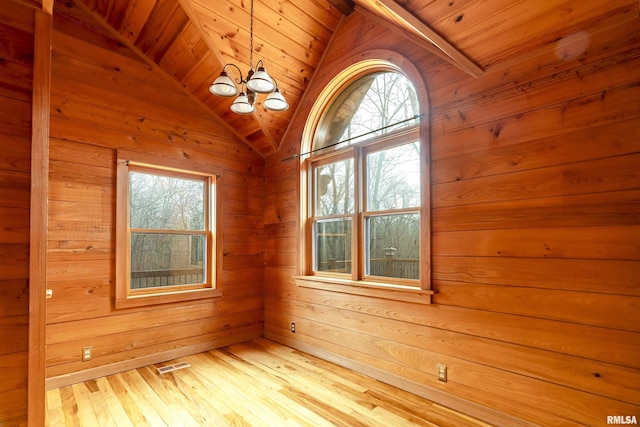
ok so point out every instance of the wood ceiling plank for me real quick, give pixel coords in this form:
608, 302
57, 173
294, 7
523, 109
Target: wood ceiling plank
320, 26
165, 24
522, 36
263, 143
135, 17
285, 68
463, 15
92, 30
115, 14
424, 44
159, 71
274, 35
188, 48
36, 4
346, 7
407, 20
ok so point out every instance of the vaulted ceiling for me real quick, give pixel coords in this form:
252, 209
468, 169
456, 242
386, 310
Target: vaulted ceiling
191, 40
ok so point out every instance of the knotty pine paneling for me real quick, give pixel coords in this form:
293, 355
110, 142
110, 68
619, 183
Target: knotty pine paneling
535, 231
106, 99
16, 81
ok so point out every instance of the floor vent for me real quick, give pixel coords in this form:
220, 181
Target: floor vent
174, 367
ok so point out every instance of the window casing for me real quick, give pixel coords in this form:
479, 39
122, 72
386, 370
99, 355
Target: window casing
166, 240
367, 208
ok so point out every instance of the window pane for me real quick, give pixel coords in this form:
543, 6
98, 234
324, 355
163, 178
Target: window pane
373, 105
393, 178
166, 203
166, 259
334, 188
393, 246
332, 246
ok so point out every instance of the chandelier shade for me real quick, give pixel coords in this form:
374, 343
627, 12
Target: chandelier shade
243, 104
260, 81
256, 82
223, 86
275, 101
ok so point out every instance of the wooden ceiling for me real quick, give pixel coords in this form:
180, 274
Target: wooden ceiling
191, 40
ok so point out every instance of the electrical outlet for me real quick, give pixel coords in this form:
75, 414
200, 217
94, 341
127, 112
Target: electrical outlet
293, 327
86, 353
442, 372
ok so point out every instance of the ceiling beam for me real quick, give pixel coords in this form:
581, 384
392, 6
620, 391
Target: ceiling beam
45, 5
345, 7
407, 20
403, 32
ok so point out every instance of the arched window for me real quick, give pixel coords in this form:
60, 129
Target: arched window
366, 205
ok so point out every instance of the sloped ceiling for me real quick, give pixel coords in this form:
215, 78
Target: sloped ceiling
191, 40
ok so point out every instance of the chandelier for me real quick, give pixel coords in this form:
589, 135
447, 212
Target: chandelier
256, 82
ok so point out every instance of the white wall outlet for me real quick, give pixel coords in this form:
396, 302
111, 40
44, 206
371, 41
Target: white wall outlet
442, 372
86, 353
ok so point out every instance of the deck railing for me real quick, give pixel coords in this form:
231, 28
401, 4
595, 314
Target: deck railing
160, 278
406, 268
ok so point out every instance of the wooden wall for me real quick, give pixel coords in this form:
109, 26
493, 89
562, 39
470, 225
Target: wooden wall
536, 239
16, 80
105, 98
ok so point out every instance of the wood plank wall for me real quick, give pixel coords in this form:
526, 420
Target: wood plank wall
536, 238
104, 98
16, 80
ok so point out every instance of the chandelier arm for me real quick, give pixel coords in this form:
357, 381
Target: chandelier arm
250, 86
239, 80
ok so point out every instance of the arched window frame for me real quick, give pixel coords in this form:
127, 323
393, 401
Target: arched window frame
356, 282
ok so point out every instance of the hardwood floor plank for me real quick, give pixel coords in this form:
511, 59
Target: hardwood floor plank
294, 413
257, 383
70, 406
214, 409
149, 404
87, 414
54, 413
244, 396
128, 401
113, 405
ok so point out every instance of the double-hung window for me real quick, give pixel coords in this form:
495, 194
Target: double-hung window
166, 233
367, 208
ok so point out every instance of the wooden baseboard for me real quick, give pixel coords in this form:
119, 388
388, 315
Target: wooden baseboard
464, 406
126, 365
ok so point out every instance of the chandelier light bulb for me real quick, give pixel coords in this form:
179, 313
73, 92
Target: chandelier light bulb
275, 101
223, 86
242, 105
255, 82
261, 82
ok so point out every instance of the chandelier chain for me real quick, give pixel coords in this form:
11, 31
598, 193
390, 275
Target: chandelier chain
251, 39
256, 82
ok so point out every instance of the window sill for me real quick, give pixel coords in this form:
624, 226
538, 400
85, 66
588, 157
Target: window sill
166, 298
368, 289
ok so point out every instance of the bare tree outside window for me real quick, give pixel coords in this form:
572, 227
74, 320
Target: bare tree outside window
369, 109
385, 107
166, 212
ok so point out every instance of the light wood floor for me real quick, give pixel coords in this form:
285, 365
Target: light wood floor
259, 383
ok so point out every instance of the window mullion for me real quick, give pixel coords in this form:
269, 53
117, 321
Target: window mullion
357, 272
158, 231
